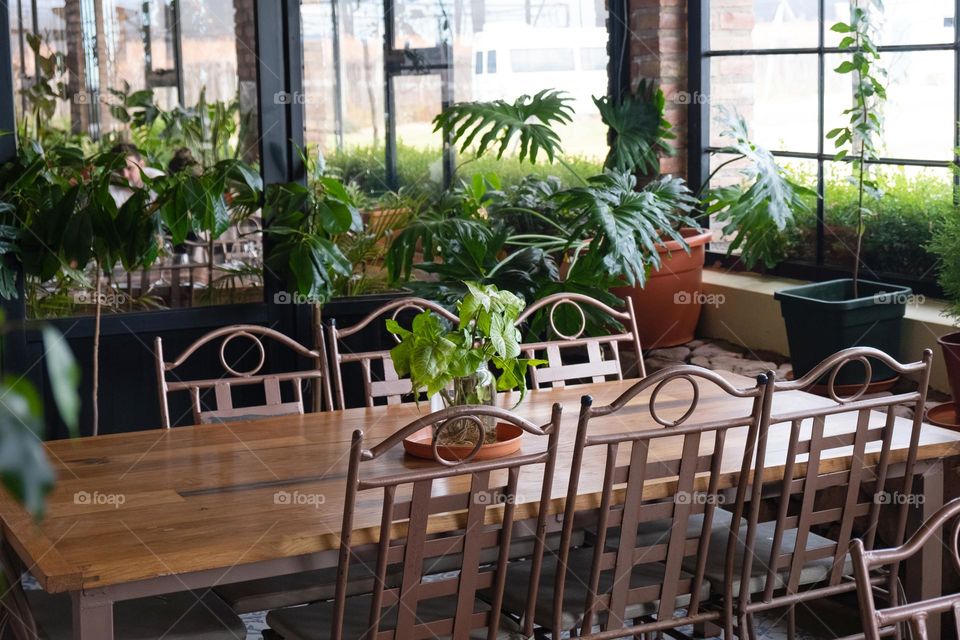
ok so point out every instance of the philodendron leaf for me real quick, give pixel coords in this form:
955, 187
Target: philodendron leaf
64, 377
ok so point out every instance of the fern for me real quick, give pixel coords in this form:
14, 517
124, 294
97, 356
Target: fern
640, 132
497, 123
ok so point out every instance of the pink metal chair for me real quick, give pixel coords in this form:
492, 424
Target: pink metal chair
603, 352
380, 379
782, 562
405, 604
884, 622
225, 410
660, 480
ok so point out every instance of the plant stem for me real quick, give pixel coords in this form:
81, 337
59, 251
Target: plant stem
569, 168
715, 171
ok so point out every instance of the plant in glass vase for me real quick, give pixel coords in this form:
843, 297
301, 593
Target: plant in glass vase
455, 363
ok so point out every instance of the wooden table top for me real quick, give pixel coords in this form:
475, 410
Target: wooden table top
142, 505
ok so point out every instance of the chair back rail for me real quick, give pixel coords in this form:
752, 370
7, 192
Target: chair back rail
390, 386
854, 428
603, 352
470, 489
274, 405
877, 622
627, 470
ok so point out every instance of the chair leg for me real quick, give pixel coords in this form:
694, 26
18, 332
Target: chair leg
792, 622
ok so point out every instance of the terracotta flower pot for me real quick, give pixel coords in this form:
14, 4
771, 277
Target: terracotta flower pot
668, 306
950, 344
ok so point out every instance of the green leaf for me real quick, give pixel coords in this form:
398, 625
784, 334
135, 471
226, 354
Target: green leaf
64, 374
497, 123
24, 469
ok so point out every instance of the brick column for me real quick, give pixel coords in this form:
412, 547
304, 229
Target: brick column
658, 51
245, 32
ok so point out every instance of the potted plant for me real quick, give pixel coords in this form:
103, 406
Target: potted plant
453, 365
823, 318
669, 298
946, 246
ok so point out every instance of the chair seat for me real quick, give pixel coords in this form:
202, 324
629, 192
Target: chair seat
575, 589
177, 616
656, 532
813, 572
313, 586
312, 622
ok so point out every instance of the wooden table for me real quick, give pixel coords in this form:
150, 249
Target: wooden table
154, 512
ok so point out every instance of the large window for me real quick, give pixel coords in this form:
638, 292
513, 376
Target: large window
177, 80
773, 61
369, 112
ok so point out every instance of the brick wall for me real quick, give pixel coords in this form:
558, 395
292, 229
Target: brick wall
658, 50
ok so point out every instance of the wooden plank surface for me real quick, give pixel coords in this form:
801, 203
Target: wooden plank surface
142, 505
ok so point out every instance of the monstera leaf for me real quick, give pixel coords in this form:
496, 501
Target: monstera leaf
529, 119
640, 131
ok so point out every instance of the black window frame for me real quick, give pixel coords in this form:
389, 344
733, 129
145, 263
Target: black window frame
699, 149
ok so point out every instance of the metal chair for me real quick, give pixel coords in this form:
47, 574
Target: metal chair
599, 365
661, 472
384, 383
225, 410
782, 562
404, 605
37, 615
884, 622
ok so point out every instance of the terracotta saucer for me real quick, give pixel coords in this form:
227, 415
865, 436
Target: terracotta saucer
420, 445
944, 415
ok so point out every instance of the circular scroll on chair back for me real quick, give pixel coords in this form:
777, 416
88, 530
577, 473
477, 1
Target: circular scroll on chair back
240, 357
558, 330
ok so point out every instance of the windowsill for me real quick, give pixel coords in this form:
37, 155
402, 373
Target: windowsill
928, 310
749, 315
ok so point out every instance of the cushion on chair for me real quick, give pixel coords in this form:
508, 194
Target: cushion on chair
658, 531
312, 622
297, 588
813, 572
177, 616
575, 589
313, 586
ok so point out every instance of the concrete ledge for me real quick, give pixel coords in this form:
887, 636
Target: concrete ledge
745, 313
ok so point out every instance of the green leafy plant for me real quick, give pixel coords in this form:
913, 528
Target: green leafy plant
615, 230
495, 124
436, 356
861, 136
640, 133
945, 244
24, 469
303, 221
755, 212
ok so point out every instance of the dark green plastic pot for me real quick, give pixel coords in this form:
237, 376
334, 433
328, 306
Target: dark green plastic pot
824, 317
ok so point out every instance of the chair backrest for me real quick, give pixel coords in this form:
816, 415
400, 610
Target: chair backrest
835, 472
877, 623
225, 411
482, 496
599, 364
658, 470
380, 379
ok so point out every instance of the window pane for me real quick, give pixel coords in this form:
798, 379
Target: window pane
918, 112
541, 60
777, 94
763, 24
915, 200
205, 53
904, 22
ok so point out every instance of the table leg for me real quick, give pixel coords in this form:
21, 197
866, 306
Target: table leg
924, 574
92, 616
